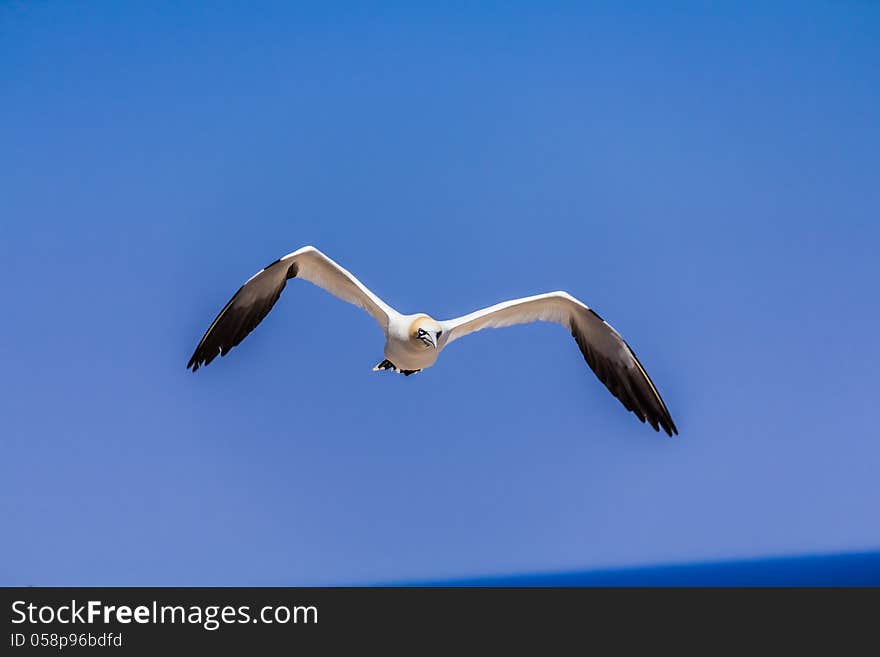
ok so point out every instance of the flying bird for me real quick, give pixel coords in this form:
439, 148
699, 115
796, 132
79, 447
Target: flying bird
413, 342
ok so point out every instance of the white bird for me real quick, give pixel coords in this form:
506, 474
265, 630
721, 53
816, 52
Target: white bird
413, 342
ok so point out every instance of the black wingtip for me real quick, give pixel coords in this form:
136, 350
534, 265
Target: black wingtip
666, 420
627, 384
241, 314
201, 358
667, 424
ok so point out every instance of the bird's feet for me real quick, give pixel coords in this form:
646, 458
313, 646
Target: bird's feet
385, 365
388, 365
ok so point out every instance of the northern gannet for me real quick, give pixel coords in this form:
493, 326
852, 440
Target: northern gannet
413, 342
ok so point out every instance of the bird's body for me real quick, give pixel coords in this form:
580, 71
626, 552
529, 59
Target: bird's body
414, 342
405, 353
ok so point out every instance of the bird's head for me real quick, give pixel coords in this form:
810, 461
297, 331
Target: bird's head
425, 332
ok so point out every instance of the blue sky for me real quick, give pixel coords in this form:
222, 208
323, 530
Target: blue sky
705, 175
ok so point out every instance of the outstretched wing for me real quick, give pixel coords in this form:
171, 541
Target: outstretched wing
255, 299
605, 351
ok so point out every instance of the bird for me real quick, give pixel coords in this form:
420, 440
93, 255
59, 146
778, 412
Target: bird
413, 342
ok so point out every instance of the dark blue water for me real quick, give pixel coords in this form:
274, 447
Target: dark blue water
861, 569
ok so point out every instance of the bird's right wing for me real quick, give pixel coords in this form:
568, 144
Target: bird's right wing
607, 354
255, 299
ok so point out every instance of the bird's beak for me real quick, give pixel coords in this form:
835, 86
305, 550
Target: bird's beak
433, 340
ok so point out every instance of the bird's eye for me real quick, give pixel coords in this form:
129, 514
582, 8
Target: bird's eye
439, 333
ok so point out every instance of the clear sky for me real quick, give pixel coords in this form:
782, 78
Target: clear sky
705, 175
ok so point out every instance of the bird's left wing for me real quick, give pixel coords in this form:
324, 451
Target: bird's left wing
255, 299
605, 351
